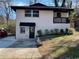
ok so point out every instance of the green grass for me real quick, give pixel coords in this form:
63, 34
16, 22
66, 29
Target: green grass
73, 51
66, 51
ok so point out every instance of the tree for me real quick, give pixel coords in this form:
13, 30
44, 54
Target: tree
69, 3
56, 3
35, 1
32, 1
63, 3
73, 16
7, 8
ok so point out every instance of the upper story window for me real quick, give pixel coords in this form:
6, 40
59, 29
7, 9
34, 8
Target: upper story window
57, 14
28, 13
35, 13
61, 14
31, 13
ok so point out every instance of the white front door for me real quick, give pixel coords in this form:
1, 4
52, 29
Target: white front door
27, 32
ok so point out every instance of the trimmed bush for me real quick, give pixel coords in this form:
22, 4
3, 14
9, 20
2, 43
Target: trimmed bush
66, 31
51, 32
70, 31
47, 32
56, 31
62, 31
39, 32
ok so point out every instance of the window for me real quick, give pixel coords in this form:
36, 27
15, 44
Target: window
31, 13
35, 13
22, 29
28, 13
64, 20
61, 20
57, 20
57, 14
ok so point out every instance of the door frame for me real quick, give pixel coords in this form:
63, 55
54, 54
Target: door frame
31, 33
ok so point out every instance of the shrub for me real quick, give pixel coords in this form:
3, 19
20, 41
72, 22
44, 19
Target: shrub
66, 31
56, 31
70, 31
39, 33
51, 32
62, 31
47, 32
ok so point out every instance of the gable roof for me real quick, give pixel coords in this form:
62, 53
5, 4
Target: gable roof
40, 6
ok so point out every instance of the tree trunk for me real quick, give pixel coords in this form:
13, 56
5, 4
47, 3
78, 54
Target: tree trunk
56, 3
72, 24
71, 4
63, 4
35, 1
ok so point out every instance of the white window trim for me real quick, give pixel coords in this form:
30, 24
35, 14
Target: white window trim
21, 31
32, 13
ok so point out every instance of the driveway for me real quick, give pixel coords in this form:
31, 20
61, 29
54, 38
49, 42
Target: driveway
10, 48
28, 43
11, 42
5, 42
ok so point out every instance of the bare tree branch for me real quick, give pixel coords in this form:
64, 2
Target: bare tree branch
7, 9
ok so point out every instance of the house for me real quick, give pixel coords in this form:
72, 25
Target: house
30, 19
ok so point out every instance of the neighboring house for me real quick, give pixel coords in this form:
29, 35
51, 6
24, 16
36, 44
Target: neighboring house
30, 19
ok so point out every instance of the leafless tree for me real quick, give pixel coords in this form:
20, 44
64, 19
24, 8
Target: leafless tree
35, 1
32, 2
6, 8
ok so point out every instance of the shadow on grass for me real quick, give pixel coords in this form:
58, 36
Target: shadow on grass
64, 50
77, 29
71, 53
50, 37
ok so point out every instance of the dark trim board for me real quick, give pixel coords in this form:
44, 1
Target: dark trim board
62, 9
27, 24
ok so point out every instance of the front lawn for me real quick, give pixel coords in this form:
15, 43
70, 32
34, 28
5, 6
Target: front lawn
65, 46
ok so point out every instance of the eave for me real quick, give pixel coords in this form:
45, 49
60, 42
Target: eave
56, 9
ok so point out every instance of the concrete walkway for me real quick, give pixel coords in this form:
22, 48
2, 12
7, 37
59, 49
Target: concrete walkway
19, 53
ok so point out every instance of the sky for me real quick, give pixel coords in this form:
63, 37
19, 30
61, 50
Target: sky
26, 2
